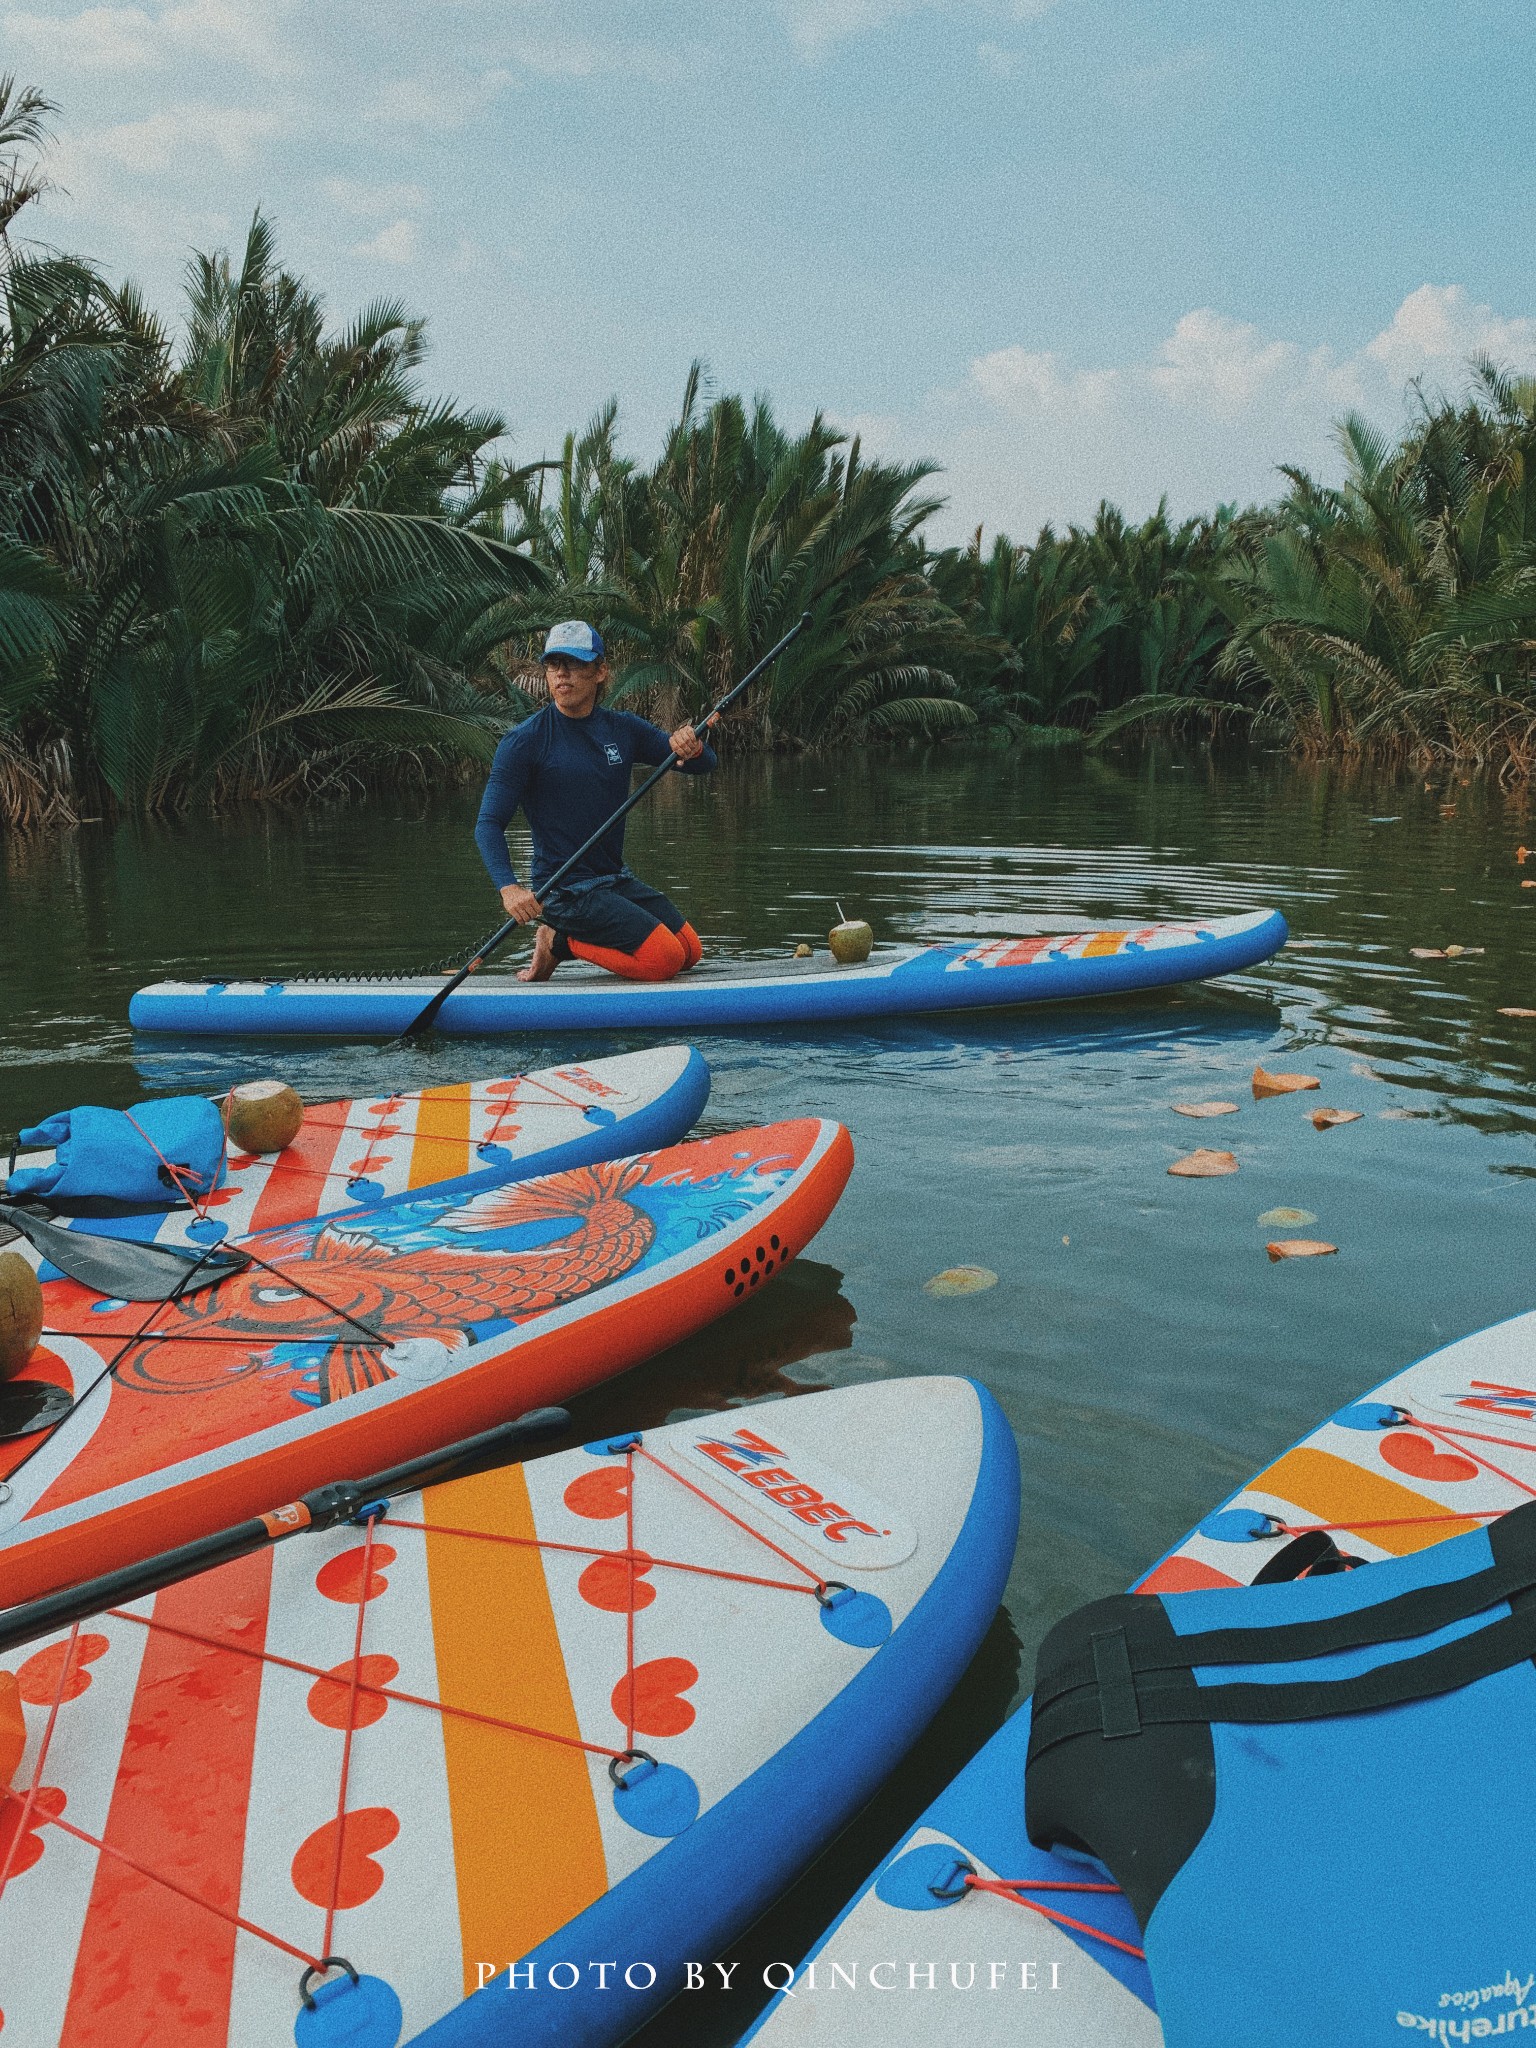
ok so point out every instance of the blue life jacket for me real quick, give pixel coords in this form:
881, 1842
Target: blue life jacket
125, 1156
1316, 1795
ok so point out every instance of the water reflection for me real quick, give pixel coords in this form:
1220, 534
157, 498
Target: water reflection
801, 1316
1146, 1352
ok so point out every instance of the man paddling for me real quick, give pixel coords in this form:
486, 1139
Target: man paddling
568, 767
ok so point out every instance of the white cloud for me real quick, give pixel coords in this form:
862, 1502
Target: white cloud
1020, 380
568, 56
470, 260
372, 202
1438, 327
1223, 364
100, 39
395, 244
454, 94
182, 137
997, 60
437, 99
117, 40
814, 25
1207, 417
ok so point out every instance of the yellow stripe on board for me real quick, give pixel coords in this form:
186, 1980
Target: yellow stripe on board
528, 1853
1105, 943
440, 1149
1324, 1488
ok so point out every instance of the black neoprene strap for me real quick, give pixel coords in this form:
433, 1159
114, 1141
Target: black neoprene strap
1134, 1672
1162, 1701
1417, 1612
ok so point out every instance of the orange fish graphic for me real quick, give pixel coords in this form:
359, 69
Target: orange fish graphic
353, 1278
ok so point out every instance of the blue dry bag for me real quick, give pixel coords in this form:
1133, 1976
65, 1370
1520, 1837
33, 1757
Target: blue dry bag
1316, 1795
126, 1155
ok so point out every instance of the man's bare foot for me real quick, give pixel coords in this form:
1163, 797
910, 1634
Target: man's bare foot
543, 963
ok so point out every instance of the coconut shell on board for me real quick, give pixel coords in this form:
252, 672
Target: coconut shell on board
262, 1116
21, 1313
851, 942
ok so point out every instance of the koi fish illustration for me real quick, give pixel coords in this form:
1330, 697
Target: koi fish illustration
333, 1286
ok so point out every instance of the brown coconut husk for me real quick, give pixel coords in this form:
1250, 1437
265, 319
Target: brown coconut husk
851, 942
21, 1313
262, 1116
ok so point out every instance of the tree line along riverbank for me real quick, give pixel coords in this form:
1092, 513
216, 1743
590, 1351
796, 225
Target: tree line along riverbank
247, 555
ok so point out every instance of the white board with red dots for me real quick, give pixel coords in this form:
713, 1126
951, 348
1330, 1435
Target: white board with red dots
363, 1150
599, 1705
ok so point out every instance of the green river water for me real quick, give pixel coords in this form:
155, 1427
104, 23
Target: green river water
1147, 1352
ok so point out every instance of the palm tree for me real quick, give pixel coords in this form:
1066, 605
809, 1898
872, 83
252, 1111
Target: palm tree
701, 562
1398, 611
268, 562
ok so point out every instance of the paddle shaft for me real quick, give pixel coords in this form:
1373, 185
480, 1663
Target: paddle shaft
428, 1016
321, 1508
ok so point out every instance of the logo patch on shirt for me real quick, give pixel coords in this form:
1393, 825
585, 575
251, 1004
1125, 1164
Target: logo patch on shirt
615, 758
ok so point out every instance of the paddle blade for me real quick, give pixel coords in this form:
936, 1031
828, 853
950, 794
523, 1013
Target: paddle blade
122, 1267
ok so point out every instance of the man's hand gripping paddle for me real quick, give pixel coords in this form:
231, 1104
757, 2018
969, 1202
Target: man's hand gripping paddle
428, 1016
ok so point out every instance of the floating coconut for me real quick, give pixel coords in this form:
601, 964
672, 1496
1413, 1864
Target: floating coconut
21, 1313
851, 940
262, 1116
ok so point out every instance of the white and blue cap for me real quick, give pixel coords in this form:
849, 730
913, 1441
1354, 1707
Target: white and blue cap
575, 638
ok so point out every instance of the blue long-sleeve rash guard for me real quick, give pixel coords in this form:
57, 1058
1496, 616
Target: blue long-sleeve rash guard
568, 775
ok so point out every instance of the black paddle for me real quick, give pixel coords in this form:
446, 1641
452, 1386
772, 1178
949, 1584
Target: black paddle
124, 1268
428, 1016
321, 1508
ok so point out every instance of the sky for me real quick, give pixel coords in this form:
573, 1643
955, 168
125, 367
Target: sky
1066, 250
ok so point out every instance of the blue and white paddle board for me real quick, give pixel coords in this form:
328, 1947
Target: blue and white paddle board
380, 1147
896, 981
917, 1959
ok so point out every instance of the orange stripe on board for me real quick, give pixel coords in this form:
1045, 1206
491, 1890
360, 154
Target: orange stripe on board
1323, 1488
1185, 1575
296, 1182
1022, 951
440, 1150
1105, 944
153, 1967
527, 1850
